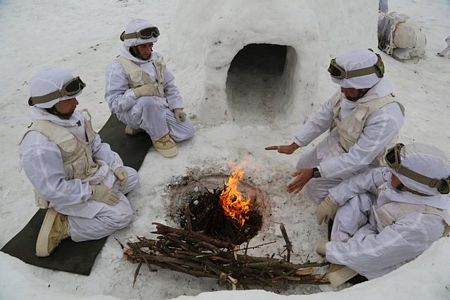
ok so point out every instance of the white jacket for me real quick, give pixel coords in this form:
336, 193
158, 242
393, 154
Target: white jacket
375, 250
380, 128
42, 161
120, 96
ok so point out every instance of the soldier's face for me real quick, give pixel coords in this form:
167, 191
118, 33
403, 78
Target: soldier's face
353, 94
144, 50
66, 107
395, 182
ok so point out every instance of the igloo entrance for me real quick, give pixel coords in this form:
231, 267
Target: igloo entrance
259, 81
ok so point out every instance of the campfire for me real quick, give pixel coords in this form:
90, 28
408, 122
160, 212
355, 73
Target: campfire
234, 205
227, 213
219, 215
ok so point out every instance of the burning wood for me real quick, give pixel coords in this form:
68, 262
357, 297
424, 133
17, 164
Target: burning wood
202, 256
233, 203
204, 212
226, 214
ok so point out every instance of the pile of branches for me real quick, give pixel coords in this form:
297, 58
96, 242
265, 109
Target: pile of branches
203, 256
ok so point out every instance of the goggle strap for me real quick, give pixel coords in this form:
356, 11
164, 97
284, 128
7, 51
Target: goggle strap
431, 182
362, 72
136, 35
58, 93
407, 189
45, 98
377, 69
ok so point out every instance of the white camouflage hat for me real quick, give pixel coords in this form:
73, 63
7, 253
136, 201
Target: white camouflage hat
136, 26
50, 81
426, 160
356, 60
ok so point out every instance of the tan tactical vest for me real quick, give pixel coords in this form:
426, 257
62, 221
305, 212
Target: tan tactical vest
351, 127
76, 153
392, 212
137, 76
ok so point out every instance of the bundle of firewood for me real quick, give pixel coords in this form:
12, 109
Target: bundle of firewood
202, 256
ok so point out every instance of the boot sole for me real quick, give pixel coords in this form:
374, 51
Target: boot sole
341, 276
168, 153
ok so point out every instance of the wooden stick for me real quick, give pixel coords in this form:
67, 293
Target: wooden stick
288, 242
187, 214
163, 229
136, 273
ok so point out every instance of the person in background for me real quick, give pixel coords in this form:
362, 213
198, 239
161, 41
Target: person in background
362, 118
78, 178
141, 91
386, 217
400, 37
446, 51
383, 6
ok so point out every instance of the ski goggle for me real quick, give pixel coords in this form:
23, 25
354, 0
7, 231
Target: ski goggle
339, 72
145, 34
393, 160
70, 88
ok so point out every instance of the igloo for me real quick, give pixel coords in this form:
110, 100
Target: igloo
267, 66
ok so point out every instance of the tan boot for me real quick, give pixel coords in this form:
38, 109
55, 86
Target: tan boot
339, 274
132, 131
54, 229
166, 146
321, 247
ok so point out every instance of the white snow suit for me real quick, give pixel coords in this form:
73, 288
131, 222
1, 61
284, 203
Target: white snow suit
335, 163
43, 163
361, 238
154, 114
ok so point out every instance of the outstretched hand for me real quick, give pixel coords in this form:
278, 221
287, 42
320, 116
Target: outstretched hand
286, 149
301, 178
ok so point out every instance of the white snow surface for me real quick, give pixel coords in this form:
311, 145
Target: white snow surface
82, 36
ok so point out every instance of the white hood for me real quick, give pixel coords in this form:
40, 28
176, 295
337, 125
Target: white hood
41, 114
382, 89
135, 26
426, 160
47, 81
355, 60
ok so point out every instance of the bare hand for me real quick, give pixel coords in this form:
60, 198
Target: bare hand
301, 178
286, 149
180, 115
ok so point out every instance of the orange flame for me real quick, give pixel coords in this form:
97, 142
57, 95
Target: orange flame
233, 203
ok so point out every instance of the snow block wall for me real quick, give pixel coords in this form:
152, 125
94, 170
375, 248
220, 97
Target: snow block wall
265, 60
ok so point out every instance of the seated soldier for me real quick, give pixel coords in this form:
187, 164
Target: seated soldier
386, 217
141, 91
362, 118
400, 37
79, 178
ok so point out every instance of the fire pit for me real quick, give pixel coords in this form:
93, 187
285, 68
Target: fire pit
218, 212
229, 208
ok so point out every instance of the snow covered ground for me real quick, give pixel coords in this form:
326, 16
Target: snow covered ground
82, 36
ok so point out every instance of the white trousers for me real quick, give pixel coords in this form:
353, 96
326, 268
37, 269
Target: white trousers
153, 115
109, 219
